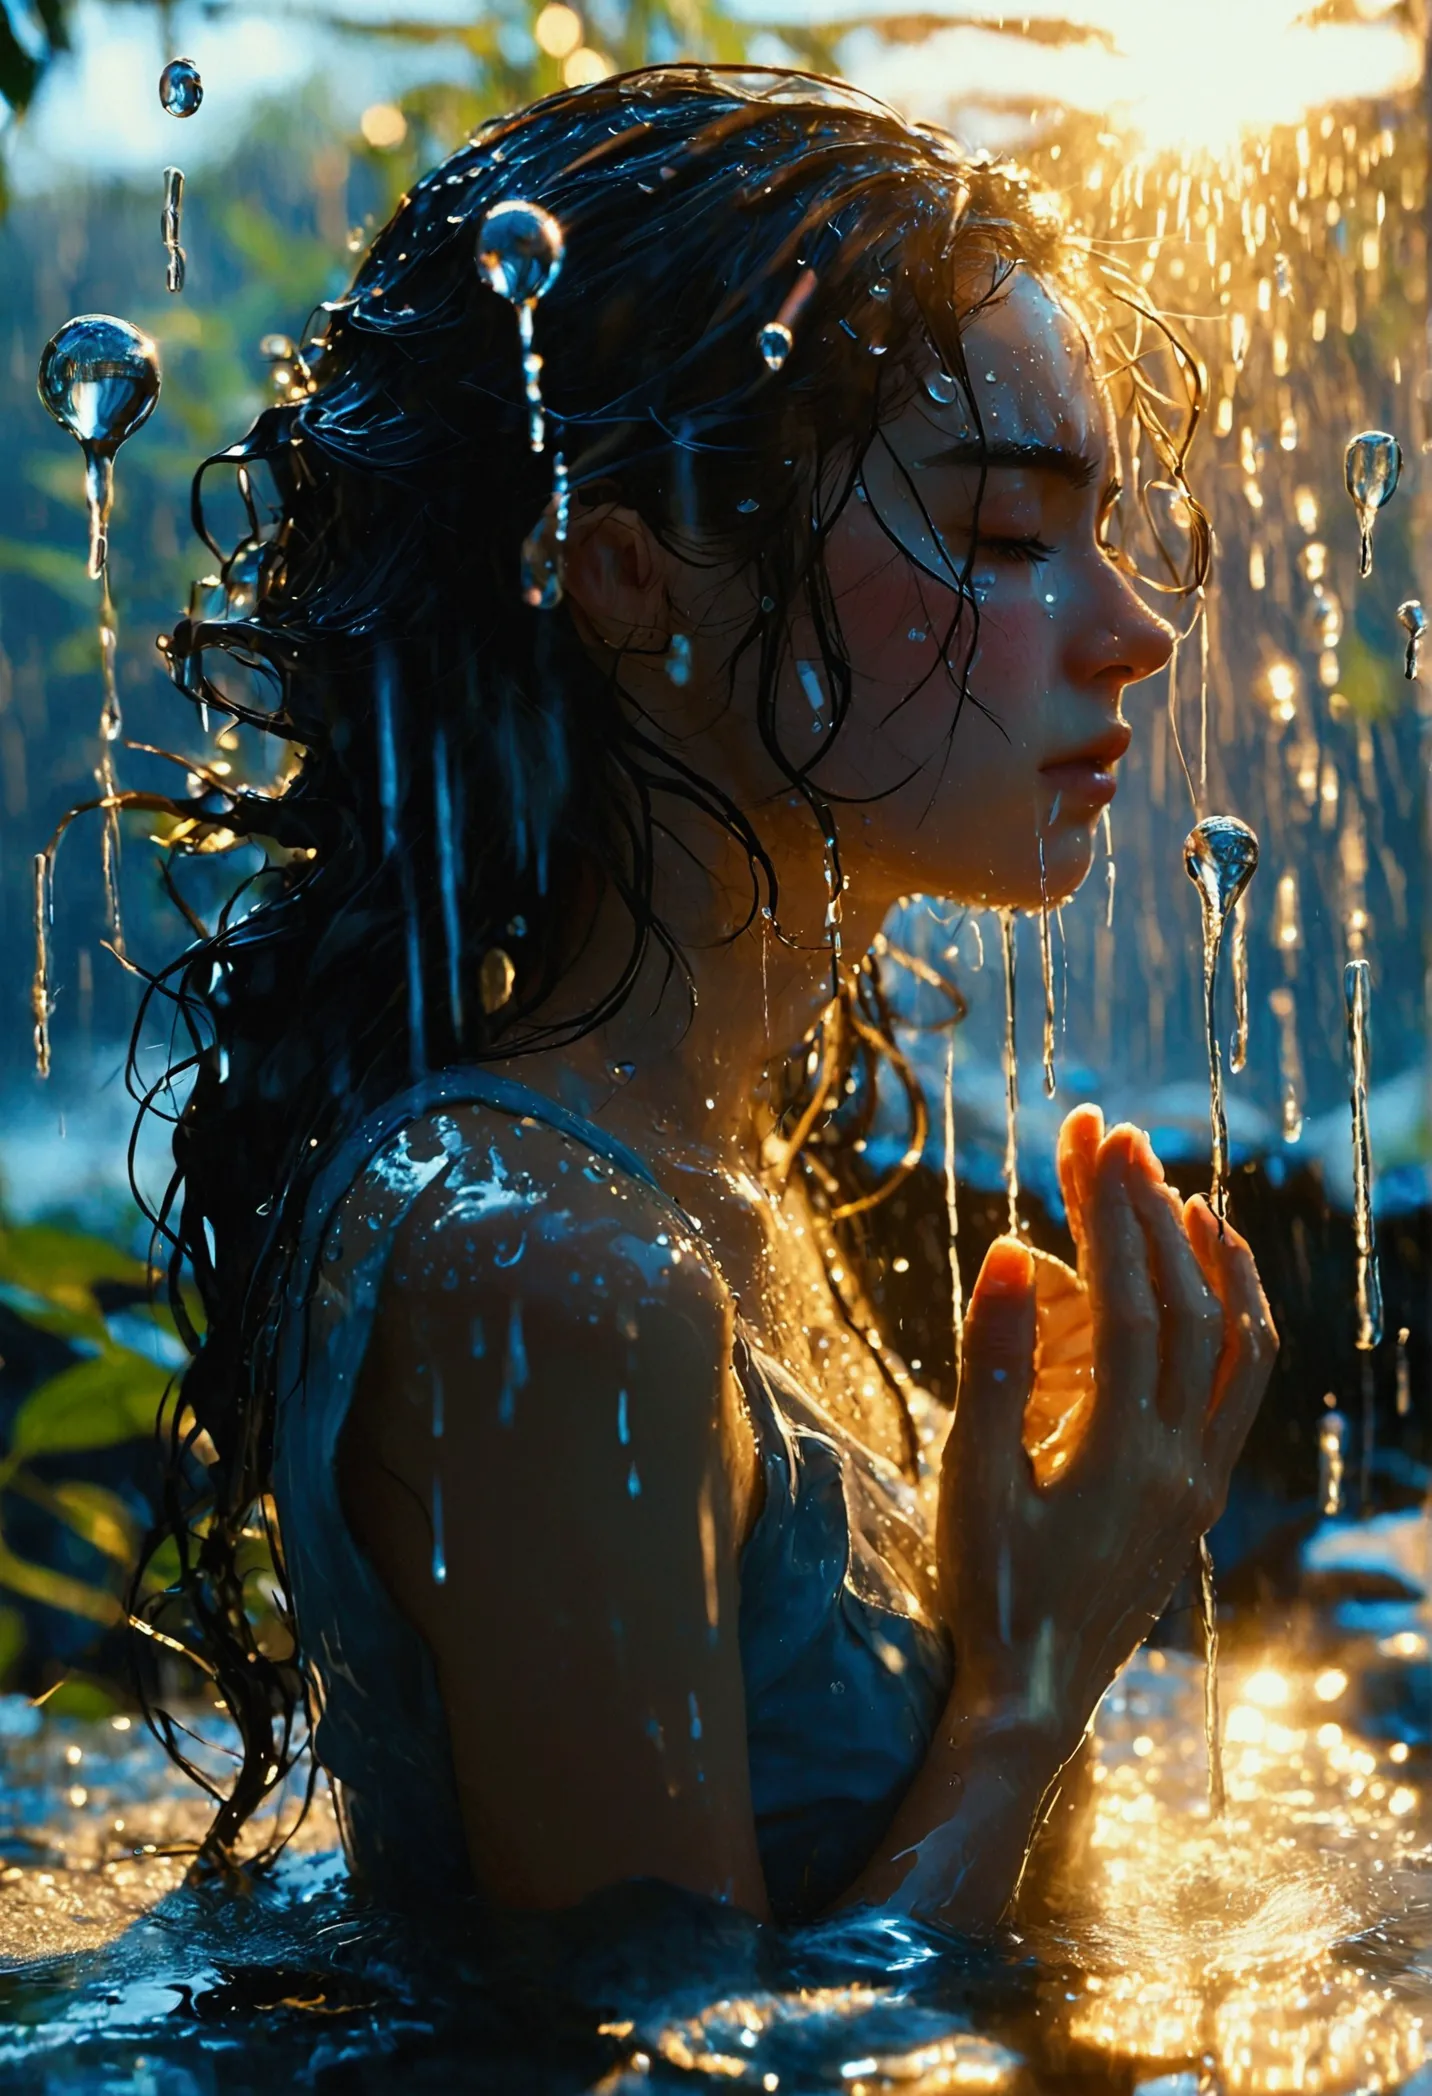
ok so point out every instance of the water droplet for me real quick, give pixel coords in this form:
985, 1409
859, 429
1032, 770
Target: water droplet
99, 378
880, 287
621, 1073
180, 88
1413, 620
519, 256
169, 217
1357, 997
942, 387
1332, 1442
495, 978
775, 343
748, 505
1372, 468
1220, 857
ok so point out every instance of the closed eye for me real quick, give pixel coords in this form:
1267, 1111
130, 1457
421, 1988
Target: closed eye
1032, 551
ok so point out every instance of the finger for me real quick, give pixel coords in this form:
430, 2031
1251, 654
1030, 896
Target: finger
997, 1367
1079, 1141
1124, 1306
1250, 1344
1191, 1312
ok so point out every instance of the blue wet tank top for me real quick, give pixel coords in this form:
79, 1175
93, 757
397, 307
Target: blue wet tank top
846, 1665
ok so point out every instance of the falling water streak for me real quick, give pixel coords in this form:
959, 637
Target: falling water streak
40, 1000
439, 1540
1368, 1393
1011, 1072
1357, 994
449, 875
952, 1217
1290, 1061
1110, 872
1212, 1722
1202, 699
1404, 1373
1046, 967
111, 724
1173, 726
1238, 1047
169, 228
1332, 1440
388, 801
1220, 858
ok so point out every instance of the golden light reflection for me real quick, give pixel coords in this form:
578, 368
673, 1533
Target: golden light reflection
1234, 1948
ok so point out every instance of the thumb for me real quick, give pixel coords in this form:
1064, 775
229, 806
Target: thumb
997, 1371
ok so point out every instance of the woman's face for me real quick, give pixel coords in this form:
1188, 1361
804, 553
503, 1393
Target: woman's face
971, 804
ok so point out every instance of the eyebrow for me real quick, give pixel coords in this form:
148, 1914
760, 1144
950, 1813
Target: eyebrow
1074, 466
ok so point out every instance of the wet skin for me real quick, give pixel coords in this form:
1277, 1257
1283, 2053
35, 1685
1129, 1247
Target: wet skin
576, 1759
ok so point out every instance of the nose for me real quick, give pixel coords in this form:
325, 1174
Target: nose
1122, 641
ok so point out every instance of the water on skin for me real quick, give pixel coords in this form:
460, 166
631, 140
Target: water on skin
1372, 467
1413, 621
1011, 1072
169, 228
1220, 856
1357, 996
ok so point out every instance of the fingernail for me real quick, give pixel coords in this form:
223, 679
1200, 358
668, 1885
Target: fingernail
1008, 1269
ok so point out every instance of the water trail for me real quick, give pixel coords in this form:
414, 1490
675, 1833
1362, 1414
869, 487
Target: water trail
388, 802
40, 993
111, 724
1290, 1061
1220, 856
952, 1217
1110, 872
1357, 995
1372, 467
1046, 968
1202, 698
1011, 1072
1404, 1373
449, 847
1212, 1723
1332, 1444
169, 228
440, 1569
1238, 1046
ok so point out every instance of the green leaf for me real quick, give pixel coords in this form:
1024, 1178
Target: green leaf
79, 1697
99, 1516
61, 1263
113, 1397
12, 1640
55, 567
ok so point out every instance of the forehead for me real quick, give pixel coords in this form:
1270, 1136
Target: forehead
1032, 372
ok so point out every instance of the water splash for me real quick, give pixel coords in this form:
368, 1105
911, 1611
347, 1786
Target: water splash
180, 88
1011, 1071
952, 1216
169, 228
1238, 1046
1413, 621
1220, 857
1212, 1726
1372, 467
1283, 1006
1332, 1461
99, 378
519, 256
1357, 996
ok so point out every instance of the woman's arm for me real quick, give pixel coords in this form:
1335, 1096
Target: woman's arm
585, 1634
1049, 1589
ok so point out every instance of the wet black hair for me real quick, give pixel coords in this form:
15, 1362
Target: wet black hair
463, 785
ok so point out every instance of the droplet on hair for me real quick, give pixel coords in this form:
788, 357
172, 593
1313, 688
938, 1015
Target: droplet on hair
775, 343
942, 388
180, 88
747, 505
519, 251
495, 978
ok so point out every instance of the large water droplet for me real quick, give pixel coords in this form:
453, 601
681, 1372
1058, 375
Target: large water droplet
99, 378
775, 343
1372, 468
1413, 620
1220, 856
519, 251
180, 88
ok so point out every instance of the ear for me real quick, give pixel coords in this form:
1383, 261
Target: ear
614, 574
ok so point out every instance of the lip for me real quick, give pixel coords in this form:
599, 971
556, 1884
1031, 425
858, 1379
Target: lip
1087, 775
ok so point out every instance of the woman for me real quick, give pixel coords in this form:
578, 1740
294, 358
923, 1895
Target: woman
528, 1251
